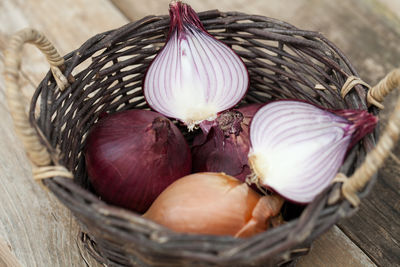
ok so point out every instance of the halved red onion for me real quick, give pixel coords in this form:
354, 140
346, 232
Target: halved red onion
194, 76
297, 148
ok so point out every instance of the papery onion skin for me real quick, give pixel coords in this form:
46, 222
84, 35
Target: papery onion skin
297, 148
224, 148
132, 156
194, 76
213, 204
363, 123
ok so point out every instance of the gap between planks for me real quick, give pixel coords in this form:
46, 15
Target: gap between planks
47, 236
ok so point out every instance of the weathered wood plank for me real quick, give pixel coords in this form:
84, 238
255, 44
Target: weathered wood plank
368, 31
380, 234
66, 23
7, 257
39, 230
334, 249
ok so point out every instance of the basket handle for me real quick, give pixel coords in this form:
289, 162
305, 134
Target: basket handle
37, 152
375, 158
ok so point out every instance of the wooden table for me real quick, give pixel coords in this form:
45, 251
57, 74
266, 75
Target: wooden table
35, 230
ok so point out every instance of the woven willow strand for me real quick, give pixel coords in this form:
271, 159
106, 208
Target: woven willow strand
383, 88
350, 83
36, 151
377, 156
46, 172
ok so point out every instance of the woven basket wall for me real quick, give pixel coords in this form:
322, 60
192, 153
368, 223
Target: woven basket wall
283, 62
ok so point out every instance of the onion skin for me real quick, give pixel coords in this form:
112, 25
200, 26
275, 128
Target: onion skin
213, 204
132, 156
363, 123
224, 148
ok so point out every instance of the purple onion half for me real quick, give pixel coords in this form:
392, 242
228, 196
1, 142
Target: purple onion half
194, 76
297, 148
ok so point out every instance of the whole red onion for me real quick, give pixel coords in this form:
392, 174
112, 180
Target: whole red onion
223, 145
132, 156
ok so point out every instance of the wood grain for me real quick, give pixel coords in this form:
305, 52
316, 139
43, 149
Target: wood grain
334, 249
39, 230
68, 24
7, 257
379, 236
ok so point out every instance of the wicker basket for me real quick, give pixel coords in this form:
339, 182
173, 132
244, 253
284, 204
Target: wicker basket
105, 74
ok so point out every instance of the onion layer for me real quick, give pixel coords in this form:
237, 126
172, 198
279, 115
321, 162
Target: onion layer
194, 76
297, 148
215, 204
132, 156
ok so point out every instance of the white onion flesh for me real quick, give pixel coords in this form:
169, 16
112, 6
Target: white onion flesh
297, 148
194, 77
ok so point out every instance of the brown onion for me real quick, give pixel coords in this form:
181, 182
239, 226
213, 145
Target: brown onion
223, 146
132, 156
215, 204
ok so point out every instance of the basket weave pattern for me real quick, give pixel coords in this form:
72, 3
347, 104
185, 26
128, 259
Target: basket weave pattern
108, 69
